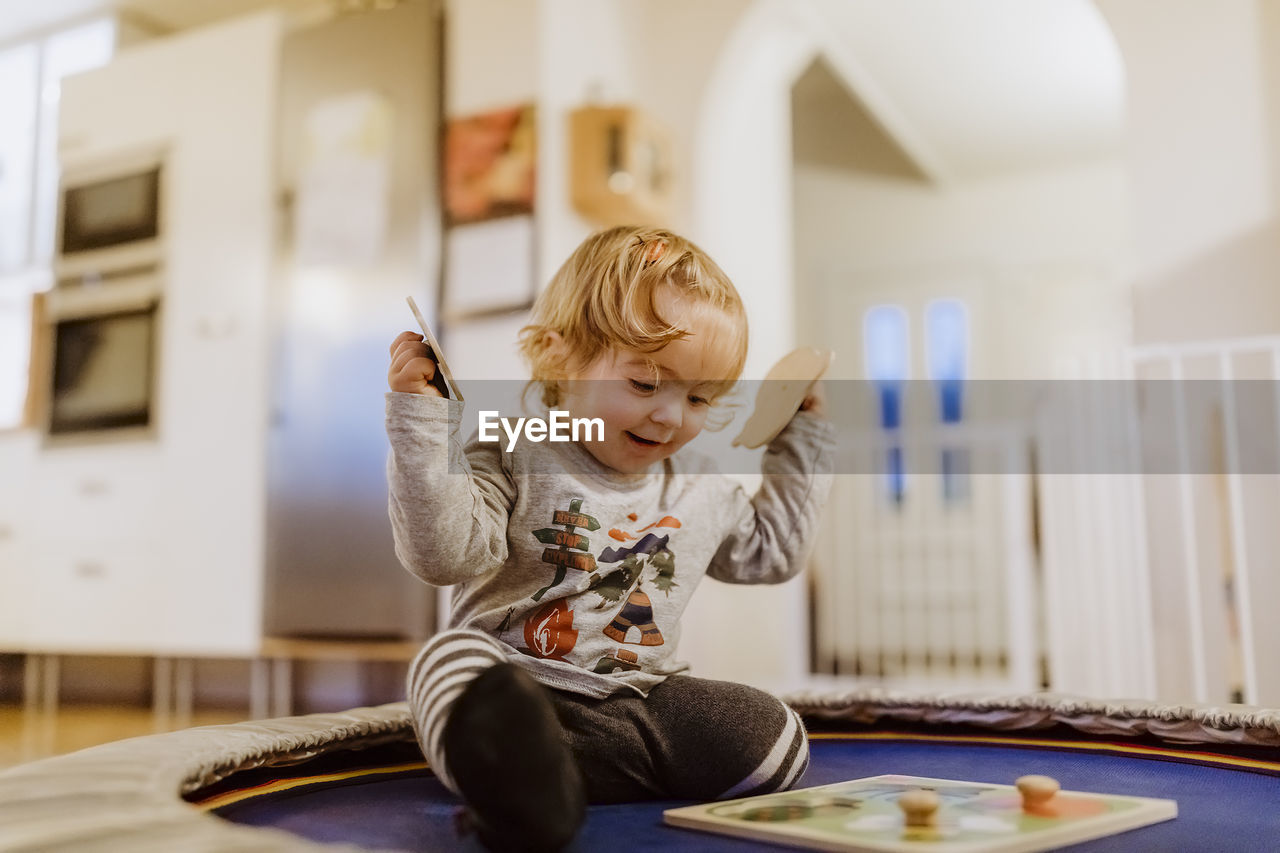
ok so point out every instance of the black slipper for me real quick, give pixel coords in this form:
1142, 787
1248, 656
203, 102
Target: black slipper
506, 752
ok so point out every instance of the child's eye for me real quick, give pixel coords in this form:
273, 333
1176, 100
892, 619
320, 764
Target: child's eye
643, 387
699, 401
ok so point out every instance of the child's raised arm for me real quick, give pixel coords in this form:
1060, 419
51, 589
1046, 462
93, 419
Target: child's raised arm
774, 529
449, 509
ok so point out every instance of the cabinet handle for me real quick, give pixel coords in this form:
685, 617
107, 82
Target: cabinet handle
90, 570
91, 488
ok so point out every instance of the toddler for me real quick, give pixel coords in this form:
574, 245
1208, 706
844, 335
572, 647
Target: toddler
555, 683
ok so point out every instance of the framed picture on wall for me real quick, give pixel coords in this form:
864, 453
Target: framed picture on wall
489, 192
489, 165
489, 268
487, 349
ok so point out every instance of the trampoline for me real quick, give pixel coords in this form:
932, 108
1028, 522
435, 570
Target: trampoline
358, 781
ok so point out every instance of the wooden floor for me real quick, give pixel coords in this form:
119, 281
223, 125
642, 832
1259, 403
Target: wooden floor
76, 727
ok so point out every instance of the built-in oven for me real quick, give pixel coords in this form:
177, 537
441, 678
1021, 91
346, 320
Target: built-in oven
110, 216
102, 329
103, 346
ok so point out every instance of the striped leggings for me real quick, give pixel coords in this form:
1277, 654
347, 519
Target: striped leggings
691, 738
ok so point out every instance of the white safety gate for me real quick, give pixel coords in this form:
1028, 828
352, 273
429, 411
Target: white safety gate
928, 580
1213, 522
1141, 561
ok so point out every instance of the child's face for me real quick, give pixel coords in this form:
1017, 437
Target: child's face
647, 416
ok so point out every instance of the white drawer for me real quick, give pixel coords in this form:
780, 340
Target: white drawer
96, 595
13, 580
96, 505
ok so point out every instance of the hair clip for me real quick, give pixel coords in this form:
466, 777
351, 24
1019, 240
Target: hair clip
654, 251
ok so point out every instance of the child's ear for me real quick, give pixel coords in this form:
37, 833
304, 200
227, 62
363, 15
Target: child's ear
557, 353
556, 350
553, 344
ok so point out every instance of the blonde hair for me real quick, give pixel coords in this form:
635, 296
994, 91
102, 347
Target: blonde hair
603, 298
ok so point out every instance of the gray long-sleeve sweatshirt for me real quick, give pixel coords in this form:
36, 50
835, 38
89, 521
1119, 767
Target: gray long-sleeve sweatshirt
582, 571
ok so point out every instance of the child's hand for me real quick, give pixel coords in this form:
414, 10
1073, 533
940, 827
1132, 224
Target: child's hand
412, 368
816, 400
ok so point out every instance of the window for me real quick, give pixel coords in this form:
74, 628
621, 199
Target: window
946, 323
886, 333
15, 349
65, 53
887, 345
31, 75
19, 96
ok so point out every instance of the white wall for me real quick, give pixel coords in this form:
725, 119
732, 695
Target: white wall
1195, 131
677, 47
1200, 136
741, 180
492, 54
585, 51
1202, 130
1039, 254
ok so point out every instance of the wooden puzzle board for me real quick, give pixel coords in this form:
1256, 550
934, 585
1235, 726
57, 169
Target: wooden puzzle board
863, 814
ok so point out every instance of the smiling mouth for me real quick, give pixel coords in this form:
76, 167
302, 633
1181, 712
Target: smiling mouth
643, 442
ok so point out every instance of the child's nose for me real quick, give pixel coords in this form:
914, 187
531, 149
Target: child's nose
667, 412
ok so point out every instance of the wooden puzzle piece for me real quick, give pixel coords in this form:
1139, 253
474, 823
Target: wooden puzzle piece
781, 393
444, 376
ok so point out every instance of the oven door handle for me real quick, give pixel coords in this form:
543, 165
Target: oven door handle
116, 296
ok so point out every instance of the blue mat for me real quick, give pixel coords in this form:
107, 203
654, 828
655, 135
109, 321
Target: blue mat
1218, 809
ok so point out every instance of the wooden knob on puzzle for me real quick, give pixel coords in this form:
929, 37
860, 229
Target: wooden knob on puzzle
919, 806
1036, 791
